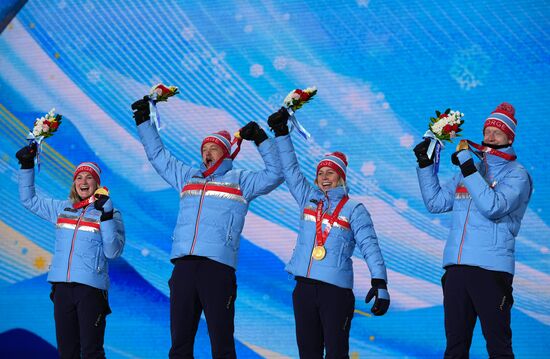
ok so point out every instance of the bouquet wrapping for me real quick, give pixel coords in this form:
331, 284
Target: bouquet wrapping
158, 93
444, 127
295, 100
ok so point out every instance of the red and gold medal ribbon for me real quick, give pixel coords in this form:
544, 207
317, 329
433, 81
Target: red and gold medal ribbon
492, 151
84, 203
214, 167
321, 237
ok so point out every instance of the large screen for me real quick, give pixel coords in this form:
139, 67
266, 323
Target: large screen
381, 68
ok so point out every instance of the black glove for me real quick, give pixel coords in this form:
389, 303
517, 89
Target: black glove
464, 159
141, 110
421, 153
252, 131
26, 156
278, 122
104, 204
379, 291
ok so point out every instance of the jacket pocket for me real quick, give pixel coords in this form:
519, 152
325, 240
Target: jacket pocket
495, 233
504, 282
229, 235
97, 254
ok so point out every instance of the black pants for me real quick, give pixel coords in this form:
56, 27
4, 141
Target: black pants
471, 292
198, 284
323, 314
79, 312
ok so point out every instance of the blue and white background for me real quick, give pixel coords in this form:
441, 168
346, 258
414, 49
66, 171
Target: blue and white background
381, 67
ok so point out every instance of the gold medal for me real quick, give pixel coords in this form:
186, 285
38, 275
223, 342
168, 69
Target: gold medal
101, 191
319, 252
462, 145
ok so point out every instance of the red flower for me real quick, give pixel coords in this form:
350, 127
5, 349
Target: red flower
455, 127
46, 122
304, 96
443, 115
447, 128
54, 125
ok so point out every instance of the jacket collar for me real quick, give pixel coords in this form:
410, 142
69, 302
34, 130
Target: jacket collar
225, 166
336, 194
493, 160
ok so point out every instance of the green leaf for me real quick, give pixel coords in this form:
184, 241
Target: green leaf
447, 111
437, 113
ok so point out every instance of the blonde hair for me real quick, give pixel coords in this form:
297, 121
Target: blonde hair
73, 194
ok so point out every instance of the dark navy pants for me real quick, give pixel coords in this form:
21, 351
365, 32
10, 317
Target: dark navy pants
323, 314
471, 292
79, 312
198, 284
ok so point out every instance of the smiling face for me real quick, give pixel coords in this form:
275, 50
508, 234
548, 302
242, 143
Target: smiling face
211, 153
327, 178
494, 136
85, 185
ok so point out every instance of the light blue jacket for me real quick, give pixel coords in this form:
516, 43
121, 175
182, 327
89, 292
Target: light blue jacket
353, 227
212, 210
82, 242
487, 207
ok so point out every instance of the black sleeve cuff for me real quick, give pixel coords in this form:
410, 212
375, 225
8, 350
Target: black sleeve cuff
260, 137
467, 168
378, 283
281, 130
27, 165
105, 216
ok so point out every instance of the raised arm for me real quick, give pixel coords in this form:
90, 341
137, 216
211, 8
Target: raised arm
254, 184
112, 227
175, 172
298, 185
510, 192
437, 198
45, 208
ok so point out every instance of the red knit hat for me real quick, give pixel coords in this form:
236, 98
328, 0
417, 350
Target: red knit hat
335, 160
503, 119
222, 139
90, 167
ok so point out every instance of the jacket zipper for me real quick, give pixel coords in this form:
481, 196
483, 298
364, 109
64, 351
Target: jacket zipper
72, 244
464, 232
315, 238
198, 218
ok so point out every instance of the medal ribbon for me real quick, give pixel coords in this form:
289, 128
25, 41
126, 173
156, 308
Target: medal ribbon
492, 151
84, 203
214, 167
321, 237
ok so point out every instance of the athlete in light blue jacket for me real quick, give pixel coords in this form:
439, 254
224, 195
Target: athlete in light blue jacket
214, 200
488, 201
89, 230
331, 226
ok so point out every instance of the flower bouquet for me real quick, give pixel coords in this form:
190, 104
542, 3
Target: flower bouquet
158, 93
43, 128
295, 100
444, 127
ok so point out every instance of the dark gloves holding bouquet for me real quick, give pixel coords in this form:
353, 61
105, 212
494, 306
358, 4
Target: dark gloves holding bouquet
26, 156
379, 291
141, 110
253, 132
421, 153
278, 122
